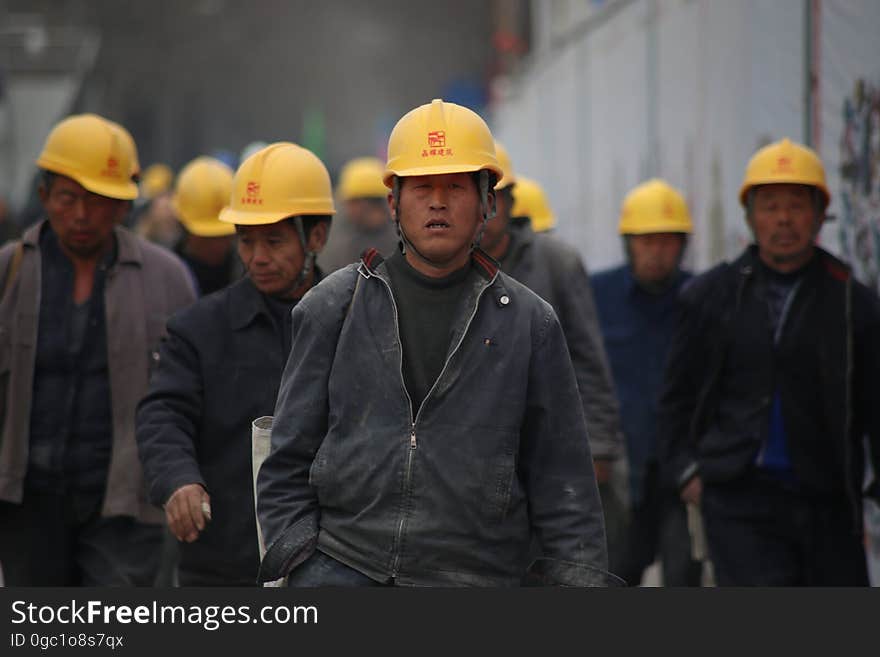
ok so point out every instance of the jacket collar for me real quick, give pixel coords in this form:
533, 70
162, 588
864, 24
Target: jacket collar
245, 304
822, 260
129, 250
485, 264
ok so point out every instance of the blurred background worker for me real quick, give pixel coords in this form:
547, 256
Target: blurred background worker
202, 190
154, 217
637, 304
555, 272
83, 307
221, 365
530, 205
366, 222
771, 387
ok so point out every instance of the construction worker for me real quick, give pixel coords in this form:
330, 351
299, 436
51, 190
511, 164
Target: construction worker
154, 217
84, 305
201, 191
637, 304
554, 271
428, 420
365, 222
156, 180
771, 385
530, 205
221, 365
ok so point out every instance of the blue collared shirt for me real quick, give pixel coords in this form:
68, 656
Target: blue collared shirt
637, 328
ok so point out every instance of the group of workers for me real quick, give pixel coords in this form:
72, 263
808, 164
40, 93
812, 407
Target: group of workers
452, 395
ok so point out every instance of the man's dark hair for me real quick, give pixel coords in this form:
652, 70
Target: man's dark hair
46, 179
310, 221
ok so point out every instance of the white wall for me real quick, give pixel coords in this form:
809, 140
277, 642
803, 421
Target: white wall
681, 89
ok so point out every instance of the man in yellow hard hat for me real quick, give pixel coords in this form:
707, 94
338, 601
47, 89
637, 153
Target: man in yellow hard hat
365, 222
555, 271
771, 388
530, 205
155, 180
222, 362
637, 304
154, 217
83, 309
201, 191
428, 422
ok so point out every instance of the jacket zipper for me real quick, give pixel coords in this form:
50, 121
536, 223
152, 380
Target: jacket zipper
413, 443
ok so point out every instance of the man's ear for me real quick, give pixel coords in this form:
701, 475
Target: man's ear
392, 206
318, 236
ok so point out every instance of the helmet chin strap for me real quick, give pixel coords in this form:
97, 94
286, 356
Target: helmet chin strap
487, 211
308, 259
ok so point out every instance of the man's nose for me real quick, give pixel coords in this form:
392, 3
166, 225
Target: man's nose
438, 197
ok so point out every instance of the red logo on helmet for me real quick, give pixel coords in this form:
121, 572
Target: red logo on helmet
437, 139
112, 169
783, 164
253, 193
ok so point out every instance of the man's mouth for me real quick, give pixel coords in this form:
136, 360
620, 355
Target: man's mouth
437, 224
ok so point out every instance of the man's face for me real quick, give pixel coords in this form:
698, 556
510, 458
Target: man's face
785, 222
440, 215
370, 213
273, 256
654, 257
83, 221
496, 227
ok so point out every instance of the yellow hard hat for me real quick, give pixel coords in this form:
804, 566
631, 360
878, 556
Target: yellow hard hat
785, 162
440, 138
529, 200
655, 206
282, 180
89, 150
509, 176
362, 178
202, 190
156, 180
128, 141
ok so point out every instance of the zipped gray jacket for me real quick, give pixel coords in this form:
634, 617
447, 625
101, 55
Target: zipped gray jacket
496, 454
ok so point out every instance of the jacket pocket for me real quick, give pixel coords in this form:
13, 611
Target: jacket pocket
500, 485
319, 466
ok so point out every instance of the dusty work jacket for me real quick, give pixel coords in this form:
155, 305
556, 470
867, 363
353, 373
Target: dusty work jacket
144, 286
450, 496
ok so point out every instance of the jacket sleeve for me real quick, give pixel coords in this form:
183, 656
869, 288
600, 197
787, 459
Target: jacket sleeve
580, 324
557, 470
169, 415
682, 383
287, 505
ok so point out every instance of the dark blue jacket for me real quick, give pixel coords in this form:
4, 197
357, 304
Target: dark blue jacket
498, 449
219, 370
637, 328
